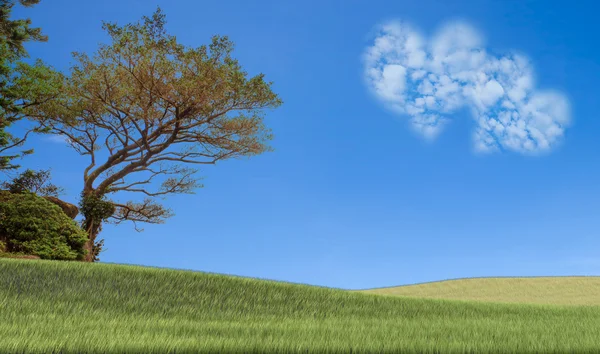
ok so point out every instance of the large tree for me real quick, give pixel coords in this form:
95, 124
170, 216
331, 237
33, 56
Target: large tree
145, 109
19, 81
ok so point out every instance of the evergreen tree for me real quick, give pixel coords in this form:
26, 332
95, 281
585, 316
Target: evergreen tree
18, 81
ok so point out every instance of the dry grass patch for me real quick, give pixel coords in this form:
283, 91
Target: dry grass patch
534, 290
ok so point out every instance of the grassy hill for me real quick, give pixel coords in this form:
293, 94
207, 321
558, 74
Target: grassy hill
538, 290
74, 307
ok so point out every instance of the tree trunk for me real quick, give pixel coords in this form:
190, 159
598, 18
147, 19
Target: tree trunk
89, 226
93, 230
89, 257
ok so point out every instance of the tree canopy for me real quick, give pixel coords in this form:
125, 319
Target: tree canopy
146, 110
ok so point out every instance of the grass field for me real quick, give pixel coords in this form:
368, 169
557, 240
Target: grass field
538, 290
73, 307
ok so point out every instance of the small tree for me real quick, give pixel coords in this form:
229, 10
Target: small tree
37, 182
145, 109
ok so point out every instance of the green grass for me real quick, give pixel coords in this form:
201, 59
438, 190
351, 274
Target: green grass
75, 307
534, 290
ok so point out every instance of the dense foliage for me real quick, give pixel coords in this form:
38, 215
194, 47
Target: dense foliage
32, 225
21, 85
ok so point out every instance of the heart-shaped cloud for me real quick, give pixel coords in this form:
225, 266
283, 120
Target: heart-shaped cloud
429, 80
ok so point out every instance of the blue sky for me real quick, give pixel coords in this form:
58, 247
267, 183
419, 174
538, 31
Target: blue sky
353, 196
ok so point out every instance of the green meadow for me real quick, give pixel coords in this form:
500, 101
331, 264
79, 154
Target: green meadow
74, 307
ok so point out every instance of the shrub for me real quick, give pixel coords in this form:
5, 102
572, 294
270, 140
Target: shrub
33, 225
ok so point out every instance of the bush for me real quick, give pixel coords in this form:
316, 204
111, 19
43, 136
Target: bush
32, 225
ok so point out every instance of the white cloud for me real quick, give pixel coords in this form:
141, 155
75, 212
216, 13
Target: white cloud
429, 80
392, 82
59, 139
